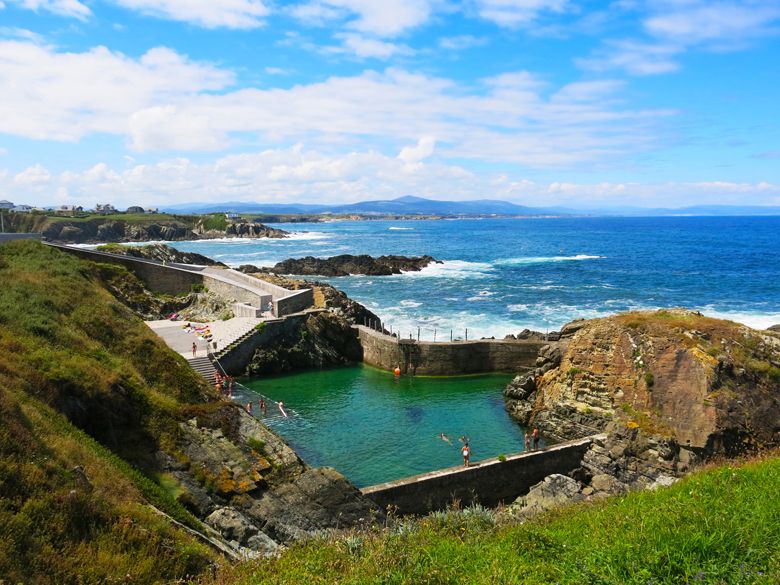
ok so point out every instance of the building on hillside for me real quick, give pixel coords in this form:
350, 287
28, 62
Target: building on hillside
106, 209
69, 208
5, 204
152, 210
232, 215
22, 209
135, 209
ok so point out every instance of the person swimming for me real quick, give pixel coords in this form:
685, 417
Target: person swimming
281, 409
444, 437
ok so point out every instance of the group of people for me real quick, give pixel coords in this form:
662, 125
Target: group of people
224, 384
264, 407
530, 438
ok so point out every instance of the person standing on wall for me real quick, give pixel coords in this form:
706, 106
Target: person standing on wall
535, 437
466, 452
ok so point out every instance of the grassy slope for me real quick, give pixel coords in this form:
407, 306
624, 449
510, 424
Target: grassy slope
72, 356
718, 526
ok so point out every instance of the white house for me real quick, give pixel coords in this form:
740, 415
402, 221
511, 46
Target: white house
22, 209
5, 204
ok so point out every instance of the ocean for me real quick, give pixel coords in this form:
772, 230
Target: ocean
500, 276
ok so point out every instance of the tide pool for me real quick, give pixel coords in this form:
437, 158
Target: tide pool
374, 428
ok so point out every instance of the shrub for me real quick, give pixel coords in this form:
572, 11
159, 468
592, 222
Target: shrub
649, 379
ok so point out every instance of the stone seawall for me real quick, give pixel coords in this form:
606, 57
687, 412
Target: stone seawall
488, 482
447, 358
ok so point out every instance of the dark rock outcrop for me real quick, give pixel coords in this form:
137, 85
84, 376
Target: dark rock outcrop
347, 264
316, 341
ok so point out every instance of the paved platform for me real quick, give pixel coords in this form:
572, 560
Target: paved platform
224, 333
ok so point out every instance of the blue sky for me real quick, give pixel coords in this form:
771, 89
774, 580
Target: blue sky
540, 102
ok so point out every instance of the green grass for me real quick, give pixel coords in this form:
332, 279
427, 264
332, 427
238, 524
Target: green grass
721, 526
215, 221
83, 382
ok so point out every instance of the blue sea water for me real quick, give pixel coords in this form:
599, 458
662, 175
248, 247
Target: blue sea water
500, 276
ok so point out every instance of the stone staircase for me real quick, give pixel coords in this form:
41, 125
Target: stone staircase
204, 367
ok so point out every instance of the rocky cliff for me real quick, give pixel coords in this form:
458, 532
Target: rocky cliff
669, 388
112, 229
347, 264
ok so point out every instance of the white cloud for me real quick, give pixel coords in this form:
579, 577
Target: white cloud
364, 47
675, 27
376, 17
236, 14
516, 13
162, 101
70, 8
720, 23
298, 174
422, 150
65, 96
462, 42
633, 57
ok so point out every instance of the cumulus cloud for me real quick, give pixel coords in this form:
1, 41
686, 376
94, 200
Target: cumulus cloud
365, 47
65, 96
298, 174
163, 101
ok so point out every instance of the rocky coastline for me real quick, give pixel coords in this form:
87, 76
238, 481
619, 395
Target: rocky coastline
347, 264
102, 230
669, 390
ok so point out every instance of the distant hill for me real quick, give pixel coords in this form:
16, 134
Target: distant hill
410, 205
401, 206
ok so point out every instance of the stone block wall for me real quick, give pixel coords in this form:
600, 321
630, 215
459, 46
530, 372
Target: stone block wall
447, 358
294, 302
488, 482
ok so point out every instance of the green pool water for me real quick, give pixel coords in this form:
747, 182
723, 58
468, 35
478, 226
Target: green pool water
373, 427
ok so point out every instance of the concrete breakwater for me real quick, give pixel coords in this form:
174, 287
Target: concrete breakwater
488, 482
447, 358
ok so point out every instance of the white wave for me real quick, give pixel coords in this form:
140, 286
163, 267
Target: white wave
307, 236
756, 320
401, 228
457, 269
410, 304
543, 286
544, 259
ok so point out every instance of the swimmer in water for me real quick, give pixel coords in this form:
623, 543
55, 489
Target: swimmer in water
281, 409
463, 439
444, 437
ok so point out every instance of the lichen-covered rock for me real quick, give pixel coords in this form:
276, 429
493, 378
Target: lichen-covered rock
707, 384
160, 252
553, 491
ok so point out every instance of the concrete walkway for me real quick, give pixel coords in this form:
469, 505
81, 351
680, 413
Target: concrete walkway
224, 333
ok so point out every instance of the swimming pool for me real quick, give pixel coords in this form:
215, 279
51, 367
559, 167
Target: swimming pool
373, 427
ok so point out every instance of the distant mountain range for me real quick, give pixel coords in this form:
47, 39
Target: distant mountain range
419, 206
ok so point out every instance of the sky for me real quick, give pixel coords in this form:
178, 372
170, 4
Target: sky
585, 104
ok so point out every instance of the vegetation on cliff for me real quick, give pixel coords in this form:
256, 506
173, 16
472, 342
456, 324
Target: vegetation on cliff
717, 526
128, 227
104, 431
88, 394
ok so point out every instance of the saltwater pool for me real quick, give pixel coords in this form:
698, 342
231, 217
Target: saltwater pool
373, 427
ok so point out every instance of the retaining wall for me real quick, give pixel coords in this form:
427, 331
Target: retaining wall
488, 482
447, 358
168, 279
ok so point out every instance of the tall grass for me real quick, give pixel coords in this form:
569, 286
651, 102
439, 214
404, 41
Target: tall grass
719, 526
